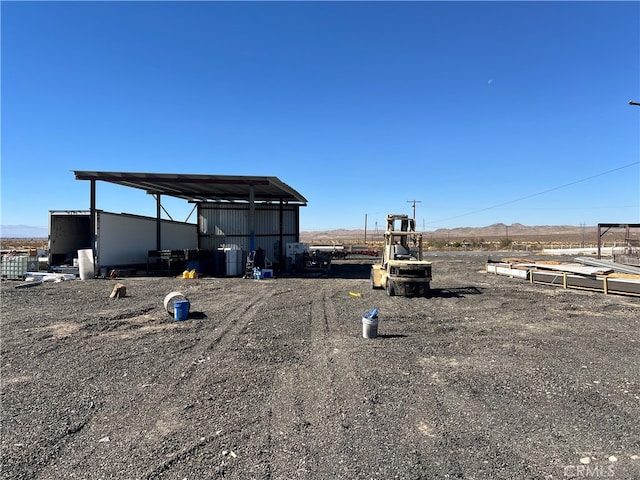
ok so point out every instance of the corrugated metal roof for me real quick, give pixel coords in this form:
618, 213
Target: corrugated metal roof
202, 188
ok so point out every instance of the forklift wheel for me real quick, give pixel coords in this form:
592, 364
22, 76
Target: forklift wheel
390, 290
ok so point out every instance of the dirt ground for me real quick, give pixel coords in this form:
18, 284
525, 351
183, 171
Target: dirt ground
491, 377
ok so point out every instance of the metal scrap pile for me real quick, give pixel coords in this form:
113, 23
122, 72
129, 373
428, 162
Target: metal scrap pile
586, 274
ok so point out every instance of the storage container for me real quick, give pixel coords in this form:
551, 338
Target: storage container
15, 266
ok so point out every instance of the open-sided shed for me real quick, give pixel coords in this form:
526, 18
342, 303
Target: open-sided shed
248, 212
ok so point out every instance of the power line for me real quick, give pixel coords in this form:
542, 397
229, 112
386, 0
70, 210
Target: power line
539, 193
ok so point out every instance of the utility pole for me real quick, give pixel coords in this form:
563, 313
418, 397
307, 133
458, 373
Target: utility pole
365, 228
414, 208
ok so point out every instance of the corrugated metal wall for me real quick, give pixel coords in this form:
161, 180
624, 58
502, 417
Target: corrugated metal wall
226, 224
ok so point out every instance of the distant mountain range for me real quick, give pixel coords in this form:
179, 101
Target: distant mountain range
515, 229
497, 230
23, 231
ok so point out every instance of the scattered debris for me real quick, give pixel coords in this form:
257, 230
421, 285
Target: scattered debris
32, 279
119, 291
49, 277
31, 283
355, 294
599, 278
618, 267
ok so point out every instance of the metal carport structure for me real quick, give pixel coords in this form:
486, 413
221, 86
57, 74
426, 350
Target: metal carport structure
197, 188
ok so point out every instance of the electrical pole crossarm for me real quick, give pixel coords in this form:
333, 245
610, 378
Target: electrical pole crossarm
414, 208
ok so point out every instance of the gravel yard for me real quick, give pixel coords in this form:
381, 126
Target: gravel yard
489, 378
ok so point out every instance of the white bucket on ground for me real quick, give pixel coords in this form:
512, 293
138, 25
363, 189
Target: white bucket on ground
170, 299
86, 266
369, 327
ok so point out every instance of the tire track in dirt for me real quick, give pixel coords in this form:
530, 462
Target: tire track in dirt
505, 383
292, 409
226, 333
166, 434
206, 372
312, 432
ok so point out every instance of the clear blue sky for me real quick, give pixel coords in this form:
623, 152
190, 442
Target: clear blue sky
474, 109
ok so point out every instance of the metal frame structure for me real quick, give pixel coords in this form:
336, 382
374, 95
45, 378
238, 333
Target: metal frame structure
197, 189
609, 226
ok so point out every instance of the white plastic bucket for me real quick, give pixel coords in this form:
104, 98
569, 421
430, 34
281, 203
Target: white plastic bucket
369, 327
170, 299
86, 266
